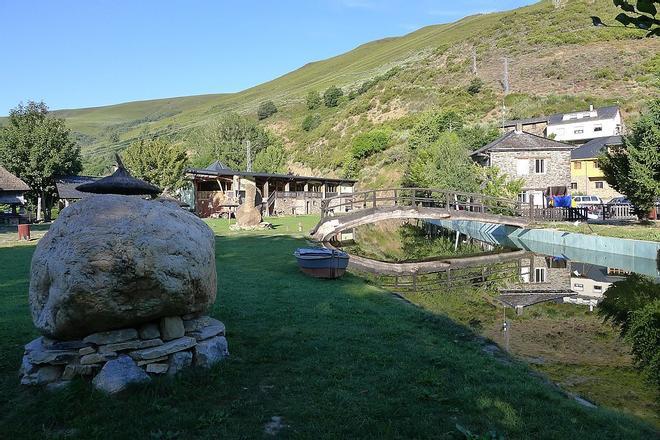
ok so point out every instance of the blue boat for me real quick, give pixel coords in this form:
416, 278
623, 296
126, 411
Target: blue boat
322, 263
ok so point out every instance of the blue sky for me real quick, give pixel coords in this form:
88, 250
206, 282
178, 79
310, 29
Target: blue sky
74, 54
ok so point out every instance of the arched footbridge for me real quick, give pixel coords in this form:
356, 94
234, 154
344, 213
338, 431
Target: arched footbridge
347, 211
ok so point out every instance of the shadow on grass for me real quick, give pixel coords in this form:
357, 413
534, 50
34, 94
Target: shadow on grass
333, 358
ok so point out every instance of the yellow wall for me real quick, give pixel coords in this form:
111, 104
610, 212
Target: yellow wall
586, 177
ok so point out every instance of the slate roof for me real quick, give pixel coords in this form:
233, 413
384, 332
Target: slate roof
602, 113
217, 166
594, 147
526, 299
526, 121
66, 186
522, 141
222, 170
9, 182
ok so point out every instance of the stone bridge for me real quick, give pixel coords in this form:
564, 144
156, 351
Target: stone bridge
347, 211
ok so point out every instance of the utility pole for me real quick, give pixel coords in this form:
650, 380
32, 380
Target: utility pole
249, 157
505, 76
474, 61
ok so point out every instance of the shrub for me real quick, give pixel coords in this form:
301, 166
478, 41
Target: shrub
604, 73
311, 122
266, 109
331, 96
369, 143
313, 99
475, 86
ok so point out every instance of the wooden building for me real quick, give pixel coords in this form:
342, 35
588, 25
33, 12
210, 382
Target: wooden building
218, 190
12, 193
66, 188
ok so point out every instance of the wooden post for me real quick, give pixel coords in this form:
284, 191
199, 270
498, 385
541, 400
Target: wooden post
448, 202
374, 198
531, 206
395, 197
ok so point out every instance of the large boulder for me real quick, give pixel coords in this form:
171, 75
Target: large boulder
112, 261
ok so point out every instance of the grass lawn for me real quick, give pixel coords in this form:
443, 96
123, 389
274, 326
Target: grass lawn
334, 359
648, 231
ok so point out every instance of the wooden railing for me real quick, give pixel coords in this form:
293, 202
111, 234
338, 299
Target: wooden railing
422, 197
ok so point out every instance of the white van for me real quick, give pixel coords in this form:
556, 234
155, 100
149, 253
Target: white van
587, 200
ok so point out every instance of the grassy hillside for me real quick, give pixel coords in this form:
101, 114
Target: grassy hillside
557, 61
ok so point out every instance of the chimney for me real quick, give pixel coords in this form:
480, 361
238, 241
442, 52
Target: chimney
518, 127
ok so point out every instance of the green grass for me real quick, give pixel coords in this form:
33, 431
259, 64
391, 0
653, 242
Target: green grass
334, 359
641, 231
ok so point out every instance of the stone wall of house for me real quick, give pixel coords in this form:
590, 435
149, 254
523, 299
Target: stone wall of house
297, 205
557, 167
556, 278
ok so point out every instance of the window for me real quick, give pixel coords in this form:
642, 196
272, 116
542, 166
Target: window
578, 286
596, 164
573, 185
524, 274
522, 167
598, 127
578, 130
539, 275
523, 197
599, 184
598, 288
539, 166
577, 165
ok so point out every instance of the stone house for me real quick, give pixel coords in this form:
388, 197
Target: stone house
218, 190
540, 162
586, 176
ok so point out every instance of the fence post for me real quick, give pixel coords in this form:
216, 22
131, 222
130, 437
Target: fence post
531, 207
396, 201
374, 198
413, 201
448, 202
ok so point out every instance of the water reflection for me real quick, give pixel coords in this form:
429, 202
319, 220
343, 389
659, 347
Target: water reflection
534, 300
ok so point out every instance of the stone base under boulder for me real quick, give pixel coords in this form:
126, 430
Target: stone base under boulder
115, 359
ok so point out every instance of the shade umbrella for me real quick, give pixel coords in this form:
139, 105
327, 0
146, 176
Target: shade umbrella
120, 182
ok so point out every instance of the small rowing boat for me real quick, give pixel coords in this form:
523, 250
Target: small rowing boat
322, 263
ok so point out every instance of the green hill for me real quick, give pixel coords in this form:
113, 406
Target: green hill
557, 61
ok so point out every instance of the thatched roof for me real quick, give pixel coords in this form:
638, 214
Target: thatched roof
9, 182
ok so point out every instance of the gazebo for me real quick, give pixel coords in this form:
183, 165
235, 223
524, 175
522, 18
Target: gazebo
12, 193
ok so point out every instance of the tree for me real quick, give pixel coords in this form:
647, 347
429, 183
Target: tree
266, 109
369, 143
633, 169
157, 161
37, 147
313, 100
432, 125
311, 122
642, 14
271, 160
475, 86
443, 164
225, 140
633, 305
331, 96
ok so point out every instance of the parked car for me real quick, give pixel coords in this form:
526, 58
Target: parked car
619, 201
587, 200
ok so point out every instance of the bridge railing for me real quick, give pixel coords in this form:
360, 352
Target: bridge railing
422, 197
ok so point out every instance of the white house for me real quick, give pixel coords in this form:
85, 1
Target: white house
579, 127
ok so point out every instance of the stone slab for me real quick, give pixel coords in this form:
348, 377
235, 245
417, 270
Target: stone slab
170, 347
112, 337
195, 324
171, 327
135, 344
151, 361
97, 358
149, 331
217, 328
157, 368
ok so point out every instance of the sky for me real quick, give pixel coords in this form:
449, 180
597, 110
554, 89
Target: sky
73, 54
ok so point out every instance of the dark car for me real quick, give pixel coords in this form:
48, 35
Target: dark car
619, 201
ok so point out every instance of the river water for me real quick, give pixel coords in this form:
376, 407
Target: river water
540, 307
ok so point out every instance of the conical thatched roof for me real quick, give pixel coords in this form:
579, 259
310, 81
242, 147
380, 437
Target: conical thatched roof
120, 182
9, 182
